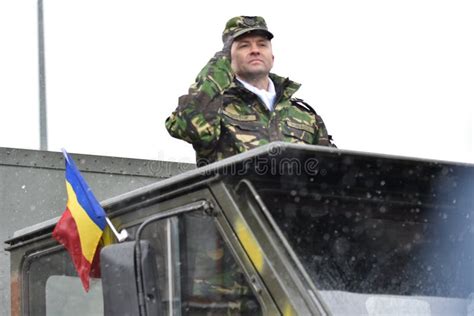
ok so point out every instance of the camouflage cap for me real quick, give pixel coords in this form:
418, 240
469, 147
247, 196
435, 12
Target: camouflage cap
241, 25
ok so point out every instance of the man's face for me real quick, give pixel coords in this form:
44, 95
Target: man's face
251, 56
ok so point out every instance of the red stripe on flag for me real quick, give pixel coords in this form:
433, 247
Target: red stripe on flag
67, 234
95, 267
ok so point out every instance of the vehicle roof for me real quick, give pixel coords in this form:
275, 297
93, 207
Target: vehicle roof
276, 150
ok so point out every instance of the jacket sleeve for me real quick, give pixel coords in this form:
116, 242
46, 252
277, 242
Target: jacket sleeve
196, 119
323, 138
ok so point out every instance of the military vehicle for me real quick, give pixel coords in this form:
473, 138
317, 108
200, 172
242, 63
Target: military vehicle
283, 229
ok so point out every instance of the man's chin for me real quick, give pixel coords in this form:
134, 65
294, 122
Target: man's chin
257, 72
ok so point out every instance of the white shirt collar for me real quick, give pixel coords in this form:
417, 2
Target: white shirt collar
267, 97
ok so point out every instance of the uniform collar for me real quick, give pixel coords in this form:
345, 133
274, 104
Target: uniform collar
284, 87
266, 96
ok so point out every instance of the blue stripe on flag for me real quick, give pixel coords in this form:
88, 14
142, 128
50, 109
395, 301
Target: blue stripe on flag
84, 194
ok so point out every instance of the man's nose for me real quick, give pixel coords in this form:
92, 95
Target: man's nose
254, 49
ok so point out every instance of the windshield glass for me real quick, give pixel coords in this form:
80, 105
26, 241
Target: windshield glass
379, 228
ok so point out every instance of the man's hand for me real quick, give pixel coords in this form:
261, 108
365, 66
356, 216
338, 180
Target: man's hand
225, 52
196, 120
217, 75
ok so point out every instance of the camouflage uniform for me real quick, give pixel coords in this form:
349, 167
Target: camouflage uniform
221, 118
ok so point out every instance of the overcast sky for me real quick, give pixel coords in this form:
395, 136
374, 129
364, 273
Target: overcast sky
393, 77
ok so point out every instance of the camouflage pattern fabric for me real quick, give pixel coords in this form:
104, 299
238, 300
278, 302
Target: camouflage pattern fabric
240, 25
221, 118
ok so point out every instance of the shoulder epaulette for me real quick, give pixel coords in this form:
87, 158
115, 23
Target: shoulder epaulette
302, 104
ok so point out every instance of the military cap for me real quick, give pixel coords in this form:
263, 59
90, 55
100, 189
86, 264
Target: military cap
241, 25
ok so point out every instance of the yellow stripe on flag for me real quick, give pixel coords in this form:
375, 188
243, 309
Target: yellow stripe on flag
89, 232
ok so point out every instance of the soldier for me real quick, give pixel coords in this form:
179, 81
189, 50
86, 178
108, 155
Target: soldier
236, 104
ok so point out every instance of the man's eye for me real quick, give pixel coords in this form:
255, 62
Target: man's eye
243, 45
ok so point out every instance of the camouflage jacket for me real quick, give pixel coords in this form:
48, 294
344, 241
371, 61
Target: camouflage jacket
221, 122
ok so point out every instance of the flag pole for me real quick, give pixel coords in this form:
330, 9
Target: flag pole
122, 236
42, 80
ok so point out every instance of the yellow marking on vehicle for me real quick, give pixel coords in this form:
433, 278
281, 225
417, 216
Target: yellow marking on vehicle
250, 245
288, 310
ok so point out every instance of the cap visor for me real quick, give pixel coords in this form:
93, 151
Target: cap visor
256, 30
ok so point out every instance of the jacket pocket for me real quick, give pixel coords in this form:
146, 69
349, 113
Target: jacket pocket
299, 132
246, 122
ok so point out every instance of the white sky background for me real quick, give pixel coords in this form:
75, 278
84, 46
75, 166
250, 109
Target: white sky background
393, 77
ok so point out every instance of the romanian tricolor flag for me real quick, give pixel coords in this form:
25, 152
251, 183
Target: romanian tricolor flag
82, 224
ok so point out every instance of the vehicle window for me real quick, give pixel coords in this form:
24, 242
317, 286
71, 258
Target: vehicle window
54, 288
206, 279
367, 247
356, 230
212, 282
66, 296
